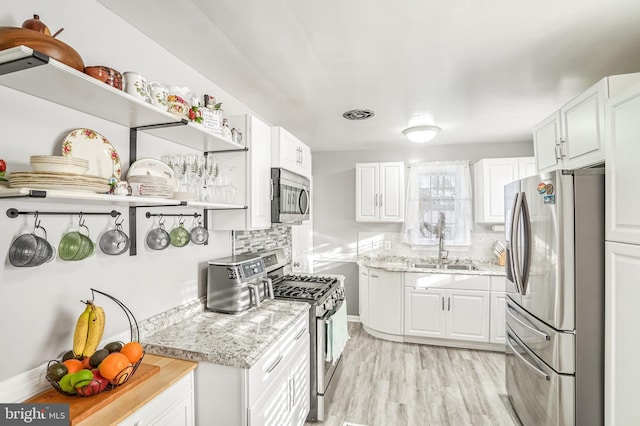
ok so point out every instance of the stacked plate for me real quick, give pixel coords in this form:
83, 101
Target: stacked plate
58, 164
150, 186
149, 177
60, 181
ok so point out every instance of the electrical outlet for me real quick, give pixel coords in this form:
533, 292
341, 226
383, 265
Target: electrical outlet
387, 245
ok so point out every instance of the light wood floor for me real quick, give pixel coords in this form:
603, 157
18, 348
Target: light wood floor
395, 384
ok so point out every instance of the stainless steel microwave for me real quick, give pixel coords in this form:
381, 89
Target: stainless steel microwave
290, 197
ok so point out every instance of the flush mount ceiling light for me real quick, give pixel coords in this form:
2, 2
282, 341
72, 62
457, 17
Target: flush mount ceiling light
358, 114
421, 134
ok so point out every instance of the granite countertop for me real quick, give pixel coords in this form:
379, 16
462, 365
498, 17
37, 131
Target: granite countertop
396, 263
226, 339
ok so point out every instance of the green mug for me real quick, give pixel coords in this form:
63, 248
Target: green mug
75, 245
179, 236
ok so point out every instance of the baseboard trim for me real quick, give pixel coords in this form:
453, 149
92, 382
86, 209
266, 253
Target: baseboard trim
353, 318
435, 342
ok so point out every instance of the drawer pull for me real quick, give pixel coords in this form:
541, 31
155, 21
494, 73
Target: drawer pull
535, 331
300, 333
275, 364
527, 363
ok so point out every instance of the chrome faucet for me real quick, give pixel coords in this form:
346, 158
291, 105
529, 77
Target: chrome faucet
437, 229
442, 253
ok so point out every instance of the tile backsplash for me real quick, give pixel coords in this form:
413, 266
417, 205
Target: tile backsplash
278, 236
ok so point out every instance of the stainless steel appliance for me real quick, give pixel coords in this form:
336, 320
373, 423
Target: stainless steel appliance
555, 297
237, 283
326, 295
290, 197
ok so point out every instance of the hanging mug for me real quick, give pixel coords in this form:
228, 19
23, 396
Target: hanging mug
179, 236
199, 234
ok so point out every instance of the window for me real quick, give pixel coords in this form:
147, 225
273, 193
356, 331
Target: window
438, 196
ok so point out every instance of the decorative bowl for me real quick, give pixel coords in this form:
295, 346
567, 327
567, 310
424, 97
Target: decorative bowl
52, 47
106, 75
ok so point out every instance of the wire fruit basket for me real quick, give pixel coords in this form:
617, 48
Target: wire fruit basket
97, 383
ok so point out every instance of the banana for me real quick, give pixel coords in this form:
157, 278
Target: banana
81, 331
96, 328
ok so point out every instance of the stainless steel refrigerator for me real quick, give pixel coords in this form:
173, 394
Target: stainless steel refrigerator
555, 298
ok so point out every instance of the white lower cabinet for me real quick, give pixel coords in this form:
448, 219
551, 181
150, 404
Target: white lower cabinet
286, 401
385, 301
363, 295
452, 309
423, 312
449, 314
497, 333
274, 391
173, 407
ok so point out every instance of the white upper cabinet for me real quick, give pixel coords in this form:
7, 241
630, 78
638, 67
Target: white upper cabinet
622, 174
250, 172
290, 153
491, 175
380, 192
573, 137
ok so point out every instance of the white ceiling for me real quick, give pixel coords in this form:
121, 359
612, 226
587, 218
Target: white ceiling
483, 70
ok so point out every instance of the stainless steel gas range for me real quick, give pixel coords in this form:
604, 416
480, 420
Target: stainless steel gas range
326, 296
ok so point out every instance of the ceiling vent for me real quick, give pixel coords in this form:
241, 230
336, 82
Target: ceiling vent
358, 114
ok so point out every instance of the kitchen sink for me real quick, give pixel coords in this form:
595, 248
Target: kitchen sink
461, 267
456, 267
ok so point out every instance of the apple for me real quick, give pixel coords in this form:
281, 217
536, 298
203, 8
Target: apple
97, 385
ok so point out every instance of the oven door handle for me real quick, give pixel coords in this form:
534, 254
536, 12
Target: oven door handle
329, 314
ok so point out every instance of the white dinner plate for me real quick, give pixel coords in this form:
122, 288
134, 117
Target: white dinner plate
90, 145
153, 167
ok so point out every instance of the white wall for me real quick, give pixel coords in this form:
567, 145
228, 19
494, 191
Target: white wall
39, 306
335, 229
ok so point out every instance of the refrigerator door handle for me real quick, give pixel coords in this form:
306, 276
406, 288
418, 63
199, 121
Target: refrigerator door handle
530, 365
526, 219
535, 331
515, 254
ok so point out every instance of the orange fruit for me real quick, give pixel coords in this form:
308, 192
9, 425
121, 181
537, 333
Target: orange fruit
73, 365
113, 364
133, 351
123, 376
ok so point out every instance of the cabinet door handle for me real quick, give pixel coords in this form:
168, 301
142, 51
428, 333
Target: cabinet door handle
380, 200
443, 303
562, 142
271, 189
275, 364
448, 303
300, 334
556, 154
293, 387
374, 276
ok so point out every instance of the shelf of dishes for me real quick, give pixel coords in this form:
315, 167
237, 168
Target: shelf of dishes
76, 196
31, 72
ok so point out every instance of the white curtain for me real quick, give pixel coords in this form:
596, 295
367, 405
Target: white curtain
434, 188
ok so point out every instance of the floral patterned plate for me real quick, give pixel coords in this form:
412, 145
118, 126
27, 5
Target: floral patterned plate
90, 145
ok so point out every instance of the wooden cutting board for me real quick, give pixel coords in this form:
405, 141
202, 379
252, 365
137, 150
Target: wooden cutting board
82, 407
